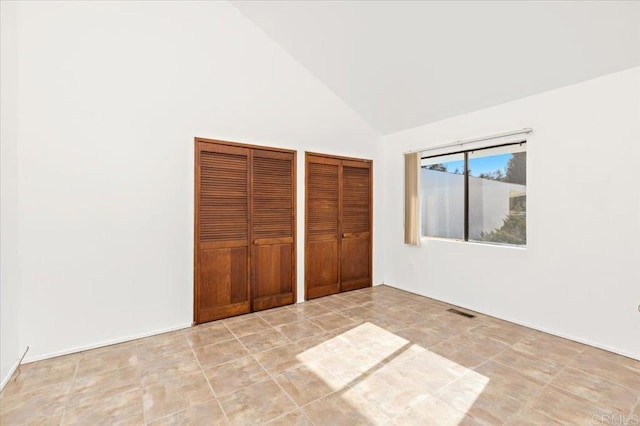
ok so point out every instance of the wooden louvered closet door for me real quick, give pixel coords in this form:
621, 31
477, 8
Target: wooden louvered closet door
322, 275
272, 229
338, 225
244, 229
355, 266
222, 231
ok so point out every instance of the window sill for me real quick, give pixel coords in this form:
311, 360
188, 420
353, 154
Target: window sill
424, 240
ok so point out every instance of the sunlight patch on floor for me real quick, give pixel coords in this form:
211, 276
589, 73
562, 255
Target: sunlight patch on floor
397, 376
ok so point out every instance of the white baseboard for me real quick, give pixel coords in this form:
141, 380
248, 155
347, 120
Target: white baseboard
534, 327
104, 343
6, 379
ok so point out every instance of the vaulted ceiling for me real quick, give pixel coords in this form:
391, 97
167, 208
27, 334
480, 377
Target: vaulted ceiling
400, 64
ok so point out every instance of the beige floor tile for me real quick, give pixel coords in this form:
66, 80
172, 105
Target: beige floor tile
478, 401
258, 403
168, 367
103, 361
235, 375
28, 407
280, 359
566, 407
358, 313
293, 418
331, 321
250, 326
392, 390
218, 353
530, 417
300, 330
263, 341
421, 337
103, 382
629, 363
161, 345
322, 346
615, 368
434, 370
105, 407
386, 323
37, 375
458, 354
385, 352
308, 383
309, 310
207, 334
598, 390
281, 316
346, 408
479, 344
402, 314
437, 331
431, 411
502, 331
206, 414
336, 304
367, 333
507, 381
350, 365
173, 395
561, 351
536, 368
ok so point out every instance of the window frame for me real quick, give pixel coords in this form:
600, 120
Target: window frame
465, 153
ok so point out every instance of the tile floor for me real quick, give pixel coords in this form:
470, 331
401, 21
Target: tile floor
373, 356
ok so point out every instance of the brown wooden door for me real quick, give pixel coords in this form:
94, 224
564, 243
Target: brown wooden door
322, 259
272, 228
221, 231
355, 258
338, 225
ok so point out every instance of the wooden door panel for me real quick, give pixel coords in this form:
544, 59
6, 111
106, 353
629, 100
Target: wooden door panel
221, 231
355, 259
355, 265
272, 275
223, 283
322, 276
272, 228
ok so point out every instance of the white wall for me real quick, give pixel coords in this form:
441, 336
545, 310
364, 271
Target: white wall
111, 97
9, 261
579, 275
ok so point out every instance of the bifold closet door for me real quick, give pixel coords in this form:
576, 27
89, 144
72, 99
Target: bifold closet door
222, 183
355, 258
338, 225
322, 276
272, 229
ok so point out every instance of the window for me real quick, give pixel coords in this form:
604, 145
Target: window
476, 195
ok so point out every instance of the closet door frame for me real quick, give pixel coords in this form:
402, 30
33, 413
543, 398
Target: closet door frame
196, 221
340, 185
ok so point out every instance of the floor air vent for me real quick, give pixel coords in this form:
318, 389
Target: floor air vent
464, 314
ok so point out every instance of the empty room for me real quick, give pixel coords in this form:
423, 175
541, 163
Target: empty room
320, 212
